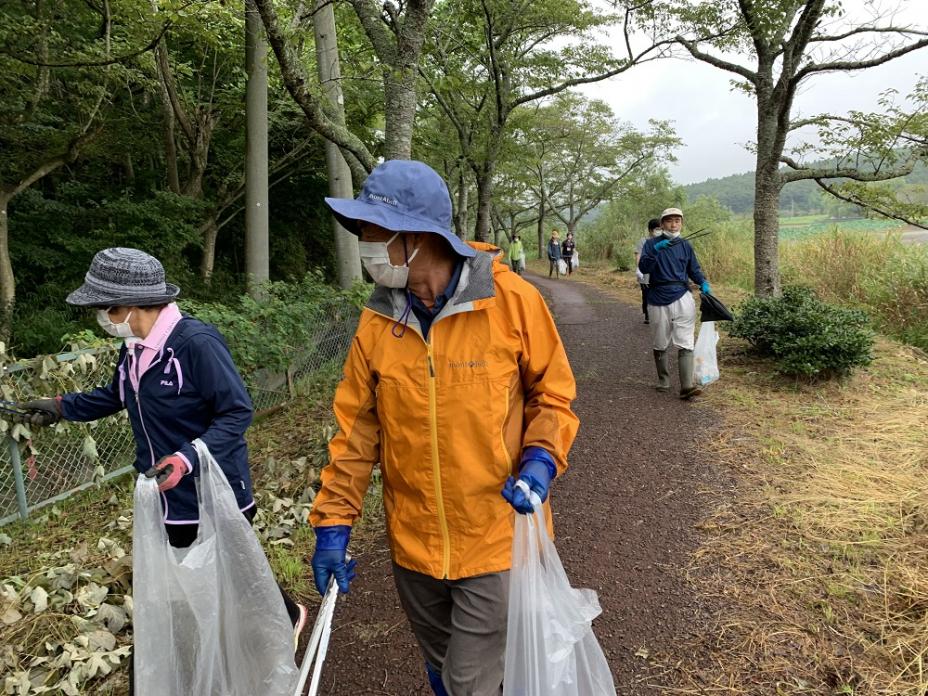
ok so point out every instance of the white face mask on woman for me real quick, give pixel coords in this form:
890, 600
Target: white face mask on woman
376, 259
120, 330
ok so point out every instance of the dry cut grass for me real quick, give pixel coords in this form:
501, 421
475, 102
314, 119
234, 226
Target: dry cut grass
822, 554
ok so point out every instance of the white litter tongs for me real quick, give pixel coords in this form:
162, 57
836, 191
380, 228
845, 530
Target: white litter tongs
318, 642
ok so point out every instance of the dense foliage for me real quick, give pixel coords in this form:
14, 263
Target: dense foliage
806, 337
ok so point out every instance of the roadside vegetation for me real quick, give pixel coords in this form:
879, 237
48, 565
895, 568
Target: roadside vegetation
817, 553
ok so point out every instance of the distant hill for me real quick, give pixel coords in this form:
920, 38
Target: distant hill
736, 192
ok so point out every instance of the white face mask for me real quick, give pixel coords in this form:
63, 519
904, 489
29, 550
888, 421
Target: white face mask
672, 235
657, 233
120, 330
376, 259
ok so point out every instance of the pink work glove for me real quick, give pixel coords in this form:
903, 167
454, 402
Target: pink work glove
170, 470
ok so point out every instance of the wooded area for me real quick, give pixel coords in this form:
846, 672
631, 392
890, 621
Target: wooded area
124, 123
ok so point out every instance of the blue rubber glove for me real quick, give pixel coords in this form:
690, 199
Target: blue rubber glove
537, 470
329, 558
705, 289
661, 245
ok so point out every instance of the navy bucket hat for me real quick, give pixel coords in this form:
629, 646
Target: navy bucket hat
402, 196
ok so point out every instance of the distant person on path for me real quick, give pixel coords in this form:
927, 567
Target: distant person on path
554, 253
176, 380
567, 251
456, 382
517, 254
654, 230
671, 263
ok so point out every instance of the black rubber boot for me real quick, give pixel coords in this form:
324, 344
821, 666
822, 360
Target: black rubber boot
663, 372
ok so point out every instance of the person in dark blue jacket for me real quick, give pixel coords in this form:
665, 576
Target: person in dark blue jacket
554, 253
670, 263
175, 378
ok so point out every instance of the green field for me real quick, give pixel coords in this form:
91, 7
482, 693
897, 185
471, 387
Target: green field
802, 226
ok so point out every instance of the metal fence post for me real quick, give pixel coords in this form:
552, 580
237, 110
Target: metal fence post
17, 464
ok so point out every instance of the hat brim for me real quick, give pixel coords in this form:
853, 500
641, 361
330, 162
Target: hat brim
349, 212
86, 296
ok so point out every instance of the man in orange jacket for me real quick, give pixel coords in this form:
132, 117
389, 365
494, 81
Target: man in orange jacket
456, 382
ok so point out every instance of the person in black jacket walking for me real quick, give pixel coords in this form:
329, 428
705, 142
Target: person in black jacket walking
670, 263
567, 251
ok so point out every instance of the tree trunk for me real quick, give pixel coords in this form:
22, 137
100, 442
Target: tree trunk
347, 257
210, 230
257, 256
400, 111
542, 204
460, 217
767, 187
401, 77
170, 147
7, 281
484, 201
167, 125
129, 168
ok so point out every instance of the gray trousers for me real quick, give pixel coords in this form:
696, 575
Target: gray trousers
460, 626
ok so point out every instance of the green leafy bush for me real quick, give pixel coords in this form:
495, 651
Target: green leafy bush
267, 334
806, 337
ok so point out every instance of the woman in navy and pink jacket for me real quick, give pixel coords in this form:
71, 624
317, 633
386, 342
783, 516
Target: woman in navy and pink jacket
175, 378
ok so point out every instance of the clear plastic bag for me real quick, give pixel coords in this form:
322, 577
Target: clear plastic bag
208, 619
704, 354
550, 646
562, 266
575, 260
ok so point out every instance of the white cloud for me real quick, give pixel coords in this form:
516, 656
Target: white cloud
716, 122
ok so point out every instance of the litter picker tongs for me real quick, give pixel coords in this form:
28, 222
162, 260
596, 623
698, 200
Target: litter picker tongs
11, 408
318, 642
698, 234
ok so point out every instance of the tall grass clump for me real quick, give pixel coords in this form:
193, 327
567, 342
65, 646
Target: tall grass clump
727, 255
879, 274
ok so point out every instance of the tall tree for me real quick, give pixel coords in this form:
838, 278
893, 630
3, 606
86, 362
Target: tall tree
786, 43
488, 58
257, 235
397, 33
600, 155
347, 258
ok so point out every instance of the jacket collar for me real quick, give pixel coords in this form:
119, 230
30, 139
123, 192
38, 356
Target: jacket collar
476, 283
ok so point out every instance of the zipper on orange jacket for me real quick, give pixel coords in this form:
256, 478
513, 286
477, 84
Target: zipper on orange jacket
436, 470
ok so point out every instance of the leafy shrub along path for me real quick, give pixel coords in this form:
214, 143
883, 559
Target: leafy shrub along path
626, 514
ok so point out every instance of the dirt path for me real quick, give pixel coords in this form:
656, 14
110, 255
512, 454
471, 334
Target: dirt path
625, 516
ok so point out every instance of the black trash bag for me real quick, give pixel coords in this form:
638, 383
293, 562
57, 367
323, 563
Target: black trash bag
712, 309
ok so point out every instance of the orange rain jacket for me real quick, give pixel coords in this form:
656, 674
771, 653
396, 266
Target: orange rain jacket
447, 419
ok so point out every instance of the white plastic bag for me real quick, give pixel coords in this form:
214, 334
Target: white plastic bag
575, 260
208, 619
704, 354
562, 266
550, 646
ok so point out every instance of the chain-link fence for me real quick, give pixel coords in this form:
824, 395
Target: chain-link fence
49, 466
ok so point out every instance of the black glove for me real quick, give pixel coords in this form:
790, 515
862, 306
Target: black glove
41, 412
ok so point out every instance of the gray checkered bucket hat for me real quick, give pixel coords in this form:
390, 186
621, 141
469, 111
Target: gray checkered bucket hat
121, 277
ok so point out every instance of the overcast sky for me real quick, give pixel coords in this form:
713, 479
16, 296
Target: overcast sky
716, 122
